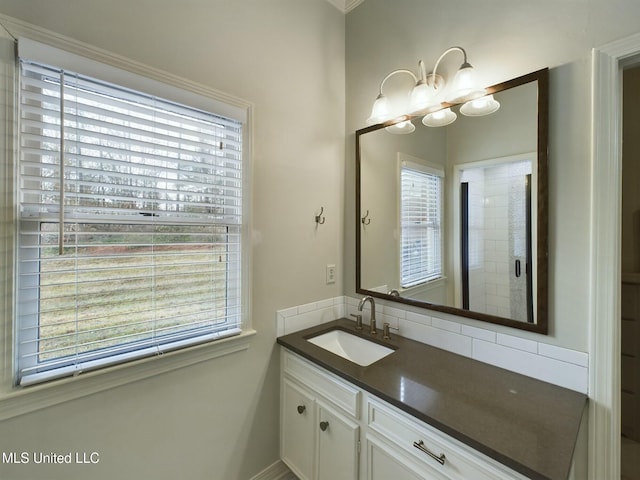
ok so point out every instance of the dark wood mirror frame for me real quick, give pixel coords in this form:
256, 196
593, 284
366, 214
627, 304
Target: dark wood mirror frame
541, 313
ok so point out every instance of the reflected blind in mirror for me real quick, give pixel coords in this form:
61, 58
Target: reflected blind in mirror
420, 224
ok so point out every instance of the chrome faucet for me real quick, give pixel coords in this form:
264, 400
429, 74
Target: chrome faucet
372, 324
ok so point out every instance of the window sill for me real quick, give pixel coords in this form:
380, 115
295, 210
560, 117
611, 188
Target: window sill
426, 286
20, 401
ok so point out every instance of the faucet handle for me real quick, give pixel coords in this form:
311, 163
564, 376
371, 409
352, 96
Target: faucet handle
358, 321
385, 330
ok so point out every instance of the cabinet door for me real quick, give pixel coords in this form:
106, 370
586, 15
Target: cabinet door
338, 446
385, 462
298, 424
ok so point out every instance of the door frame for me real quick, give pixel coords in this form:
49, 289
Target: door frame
604, 322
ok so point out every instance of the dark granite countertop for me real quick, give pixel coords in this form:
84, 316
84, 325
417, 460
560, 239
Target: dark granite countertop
528, 425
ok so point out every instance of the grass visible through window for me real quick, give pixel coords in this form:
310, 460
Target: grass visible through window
115, 294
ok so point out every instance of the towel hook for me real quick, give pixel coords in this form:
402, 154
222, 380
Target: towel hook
365, 220
319, 218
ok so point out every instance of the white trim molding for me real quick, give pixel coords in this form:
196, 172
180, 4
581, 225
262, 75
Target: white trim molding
606, 170
26, 400
345, 6
18, 28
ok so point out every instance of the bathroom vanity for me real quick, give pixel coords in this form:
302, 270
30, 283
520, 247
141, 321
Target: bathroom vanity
419, 413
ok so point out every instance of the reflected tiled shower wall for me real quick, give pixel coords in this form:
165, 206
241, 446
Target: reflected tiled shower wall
497, 231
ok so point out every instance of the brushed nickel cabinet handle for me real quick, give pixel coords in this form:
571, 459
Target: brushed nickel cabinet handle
324, 426
420, 446
301, 409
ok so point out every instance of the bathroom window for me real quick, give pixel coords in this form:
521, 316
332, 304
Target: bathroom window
420, 224
130, 224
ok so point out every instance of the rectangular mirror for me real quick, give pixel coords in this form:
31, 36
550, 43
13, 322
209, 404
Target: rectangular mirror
454, 218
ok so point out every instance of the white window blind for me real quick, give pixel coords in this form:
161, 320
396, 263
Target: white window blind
130, 212
420, 224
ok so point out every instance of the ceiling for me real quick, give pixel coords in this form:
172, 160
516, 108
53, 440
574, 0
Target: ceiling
345, 6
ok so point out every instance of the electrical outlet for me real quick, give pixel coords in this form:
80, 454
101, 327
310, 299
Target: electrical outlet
331, 274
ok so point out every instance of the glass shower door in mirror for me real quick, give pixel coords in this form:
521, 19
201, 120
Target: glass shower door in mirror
496, 248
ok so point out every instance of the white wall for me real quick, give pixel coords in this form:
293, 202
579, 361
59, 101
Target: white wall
380, 183
504, 39
217, 419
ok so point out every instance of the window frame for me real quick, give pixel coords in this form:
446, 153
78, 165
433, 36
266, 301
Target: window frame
421, 167
15, 400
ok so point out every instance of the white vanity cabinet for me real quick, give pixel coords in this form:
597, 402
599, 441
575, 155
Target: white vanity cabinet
401, 447
322, 427
385, 461
320, 430
297, 425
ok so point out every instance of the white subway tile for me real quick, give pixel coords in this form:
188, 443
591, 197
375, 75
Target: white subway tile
557, 365
279, 325
436, 337
324, 303
288, 312
352, 301
391, 320
300, 322
394, 312
564, 354
342, 300
517, 343
418, 318
560, 373
307, 307
325, 315
479, 333
445, 325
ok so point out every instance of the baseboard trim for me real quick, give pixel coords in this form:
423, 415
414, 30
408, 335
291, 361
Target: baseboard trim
276, 471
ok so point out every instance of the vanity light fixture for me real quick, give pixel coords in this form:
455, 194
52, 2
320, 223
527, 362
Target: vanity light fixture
439, 118
480, 106
401, 127
427, 98
465, 85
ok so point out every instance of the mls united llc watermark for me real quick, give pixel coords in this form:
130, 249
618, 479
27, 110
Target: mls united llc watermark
51, 458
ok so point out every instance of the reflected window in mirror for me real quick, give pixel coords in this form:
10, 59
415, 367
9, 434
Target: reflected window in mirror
421, 188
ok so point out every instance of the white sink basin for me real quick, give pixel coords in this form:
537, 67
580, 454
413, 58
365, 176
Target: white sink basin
353, 348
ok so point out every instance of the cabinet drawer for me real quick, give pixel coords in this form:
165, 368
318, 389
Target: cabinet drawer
414, 437
330, 386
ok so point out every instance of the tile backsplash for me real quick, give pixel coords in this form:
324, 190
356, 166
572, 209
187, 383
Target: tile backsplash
557, 365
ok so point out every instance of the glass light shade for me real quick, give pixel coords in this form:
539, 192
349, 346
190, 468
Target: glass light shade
421, 98
381, 111
480, 106
464, 85
440, 118
401, 128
